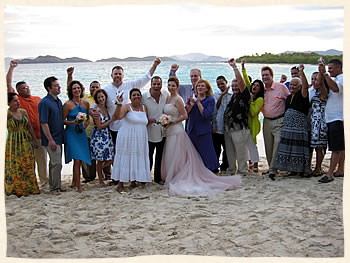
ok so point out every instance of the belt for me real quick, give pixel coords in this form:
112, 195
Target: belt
275, 118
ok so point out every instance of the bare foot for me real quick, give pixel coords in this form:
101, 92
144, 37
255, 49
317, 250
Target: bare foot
133, 185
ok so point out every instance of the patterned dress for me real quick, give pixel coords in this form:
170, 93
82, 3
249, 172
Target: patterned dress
20, 177
318, 123
293, 150
101, 144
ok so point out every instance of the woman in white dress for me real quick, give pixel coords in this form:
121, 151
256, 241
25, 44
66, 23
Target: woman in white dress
183, 170
131, 161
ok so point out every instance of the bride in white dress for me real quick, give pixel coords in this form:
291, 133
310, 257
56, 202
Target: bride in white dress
183, 170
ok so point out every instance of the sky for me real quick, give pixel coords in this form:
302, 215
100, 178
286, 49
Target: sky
169, 29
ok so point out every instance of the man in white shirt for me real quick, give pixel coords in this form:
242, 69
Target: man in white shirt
155, 100
118, 87
334, 119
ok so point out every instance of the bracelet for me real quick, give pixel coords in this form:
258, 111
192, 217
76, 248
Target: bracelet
234, 68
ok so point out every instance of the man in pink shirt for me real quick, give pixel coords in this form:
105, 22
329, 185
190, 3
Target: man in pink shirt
274, 107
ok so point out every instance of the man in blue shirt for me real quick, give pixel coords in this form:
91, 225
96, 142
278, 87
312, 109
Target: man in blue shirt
51, 131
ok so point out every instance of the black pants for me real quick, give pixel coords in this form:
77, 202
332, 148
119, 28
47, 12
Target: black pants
158, 146
219, 140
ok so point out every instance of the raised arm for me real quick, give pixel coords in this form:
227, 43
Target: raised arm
238, 75
331, 83
322, 87
70, 72
304, 83
155, 64
173, 69
13, 64
121, 110
245, 75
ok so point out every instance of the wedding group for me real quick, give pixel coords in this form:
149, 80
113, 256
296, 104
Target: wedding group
197, 142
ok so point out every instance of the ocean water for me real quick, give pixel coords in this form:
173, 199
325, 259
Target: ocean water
35, 74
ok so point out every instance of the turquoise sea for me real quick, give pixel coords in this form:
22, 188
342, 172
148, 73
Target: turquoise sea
34, 74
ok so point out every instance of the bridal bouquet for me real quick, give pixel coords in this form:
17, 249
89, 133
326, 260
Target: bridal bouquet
164, 120
81, 117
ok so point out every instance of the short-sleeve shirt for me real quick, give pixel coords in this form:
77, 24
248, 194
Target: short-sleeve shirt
237, 110
274, 100
298, 103
334, 106
50, 112
31, 104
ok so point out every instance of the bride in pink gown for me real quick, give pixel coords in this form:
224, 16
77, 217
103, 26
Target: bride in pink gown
183, 170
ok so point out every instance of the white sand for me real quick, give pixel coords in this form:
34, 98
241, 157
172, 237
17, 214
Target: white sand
289, 217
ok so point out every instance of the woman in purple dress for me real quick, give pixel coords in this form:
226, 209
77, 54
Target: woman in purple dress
200, 111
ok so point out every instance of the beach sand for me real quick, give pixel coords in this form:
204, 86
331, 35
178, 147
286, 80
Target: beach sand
289, 217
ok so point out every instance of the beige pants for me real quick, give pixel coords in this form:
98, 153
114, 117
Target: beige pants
272, 135
55, 167
40, 155
236, 149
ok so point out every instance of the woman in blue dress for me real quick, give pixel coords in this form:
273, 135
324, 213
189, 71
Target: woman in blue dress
199, 128
101, 144
76, 146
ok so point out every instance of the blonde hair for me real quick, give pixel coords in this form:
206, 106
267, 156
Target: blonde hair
207, 84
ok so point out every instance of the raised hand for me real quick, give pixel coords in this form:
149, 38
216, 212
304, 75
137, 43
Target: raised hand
232, 62
242, 63
70, 71
301, 67
13, 63
174, 67
120, 97
157, 61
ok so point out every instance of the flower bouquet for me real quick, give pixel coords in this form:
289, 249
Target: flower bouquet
164, 120
81, 117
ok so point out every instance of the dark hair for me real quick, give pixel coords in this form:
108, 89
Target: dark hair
19, 84
156, 77
250, 78
94, 82
10, 96
261, 91
117, 67
336, 61
267, 68
221, 77
70, 89
295, 67
100, 91
48, 82
175, 79
134, 89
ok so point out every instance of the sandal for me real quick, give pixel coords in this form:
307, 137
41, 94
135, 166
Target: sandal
325, 179
338, 175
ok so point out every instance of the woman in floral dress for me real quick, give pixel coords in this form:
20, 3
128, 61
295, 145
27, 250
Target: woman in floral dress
20, 177
101, 144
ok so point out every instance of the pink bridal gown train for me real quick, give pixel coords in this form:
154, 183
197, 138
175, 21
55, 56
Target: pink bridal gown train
183, 170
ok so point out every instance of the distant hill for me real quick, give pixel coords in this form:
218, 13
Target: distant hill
148, 58
329, 52
198, 57
52, 59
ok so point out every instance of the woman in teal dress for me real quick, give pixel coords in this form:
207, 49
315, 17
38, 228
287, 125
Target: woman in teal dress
76, 146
